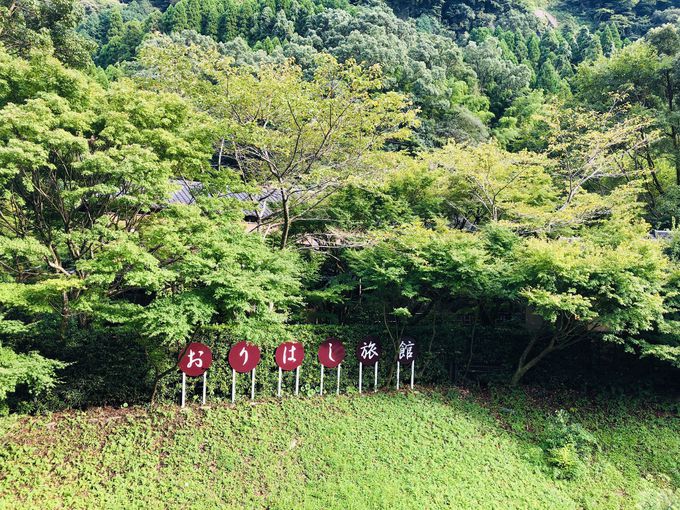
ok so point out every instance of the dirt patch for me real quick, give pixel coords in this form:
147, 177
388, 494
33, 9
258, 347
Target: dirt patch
546, 16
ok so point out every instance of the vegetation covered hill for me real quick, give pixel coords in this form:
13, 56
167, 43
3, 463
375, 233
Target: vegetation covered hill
472, 174
411, 451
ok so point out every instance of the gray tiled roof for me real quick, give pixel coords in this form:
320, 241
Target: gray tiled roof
187, 191
661, 234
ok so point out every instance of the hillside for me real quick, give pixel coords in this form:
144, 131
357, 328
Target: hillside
421, 450
486, 192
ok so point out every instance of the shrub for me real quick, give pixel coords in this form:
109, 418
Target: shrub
31, 370
659, 499
567, 445
565, 461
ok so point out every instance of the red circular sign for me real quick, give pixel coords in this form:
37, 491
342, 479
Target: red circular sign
368, 351
289, 355
407, 350
243, 357
195, 359
331, 353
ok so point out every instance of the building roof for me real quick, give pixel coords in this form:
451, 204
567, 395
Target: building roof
661, 234
188, 190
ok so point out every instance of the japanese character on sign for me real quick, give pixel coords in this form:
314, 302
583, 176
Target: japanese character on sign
331, 353
368, 351
244, 357
407, 350
195, 359
289, 355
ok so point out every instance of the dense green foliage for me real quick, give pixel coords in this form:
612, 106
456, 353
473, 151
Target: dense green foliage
29, 24
378, 451
480, 175
86, 247
463, 64
31, 370
633, 17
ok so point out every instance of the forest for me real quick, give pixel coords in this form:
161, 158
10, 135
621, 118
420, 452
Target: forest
497, 179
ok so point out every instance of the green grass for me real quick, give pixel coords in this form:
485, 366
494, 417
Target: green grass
422, 451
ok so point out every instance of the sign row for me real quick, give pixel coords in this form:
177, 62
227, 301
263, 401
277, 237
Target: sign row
196, 359
243, 357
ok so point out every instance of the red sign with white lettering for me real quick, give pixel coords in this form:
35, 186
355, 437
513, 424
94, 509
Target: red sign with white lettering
289, 355
243, 357
195, 359
331, 353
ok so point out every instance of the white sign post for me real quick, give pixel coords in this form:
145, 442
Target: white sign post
375, 377
368, 352
194, 360
205, 376
184, 388
289, 356
331, 352
243, 358
407, 354
233, 385
361, 376
321, 386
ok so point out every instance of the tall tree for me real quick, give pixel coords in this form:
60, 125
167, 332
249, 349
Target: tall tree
548, 78
299, 139
28, 24
501, 80
491, 184
607, 285
644, 74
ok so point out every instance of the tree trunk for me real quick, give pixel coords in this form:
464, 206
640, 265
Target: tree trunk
158, 377
670, 97
154, 390
652, 168
10, 11
285, 229
523, 366
676, 153
471, 345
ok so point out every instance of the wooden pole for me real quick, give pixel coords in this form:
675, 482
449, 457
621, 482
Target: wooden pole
337, 391
397, 375
252, 386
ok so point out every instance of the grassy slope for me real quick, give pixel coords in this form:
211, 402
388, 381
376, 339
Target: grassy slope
424, 450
